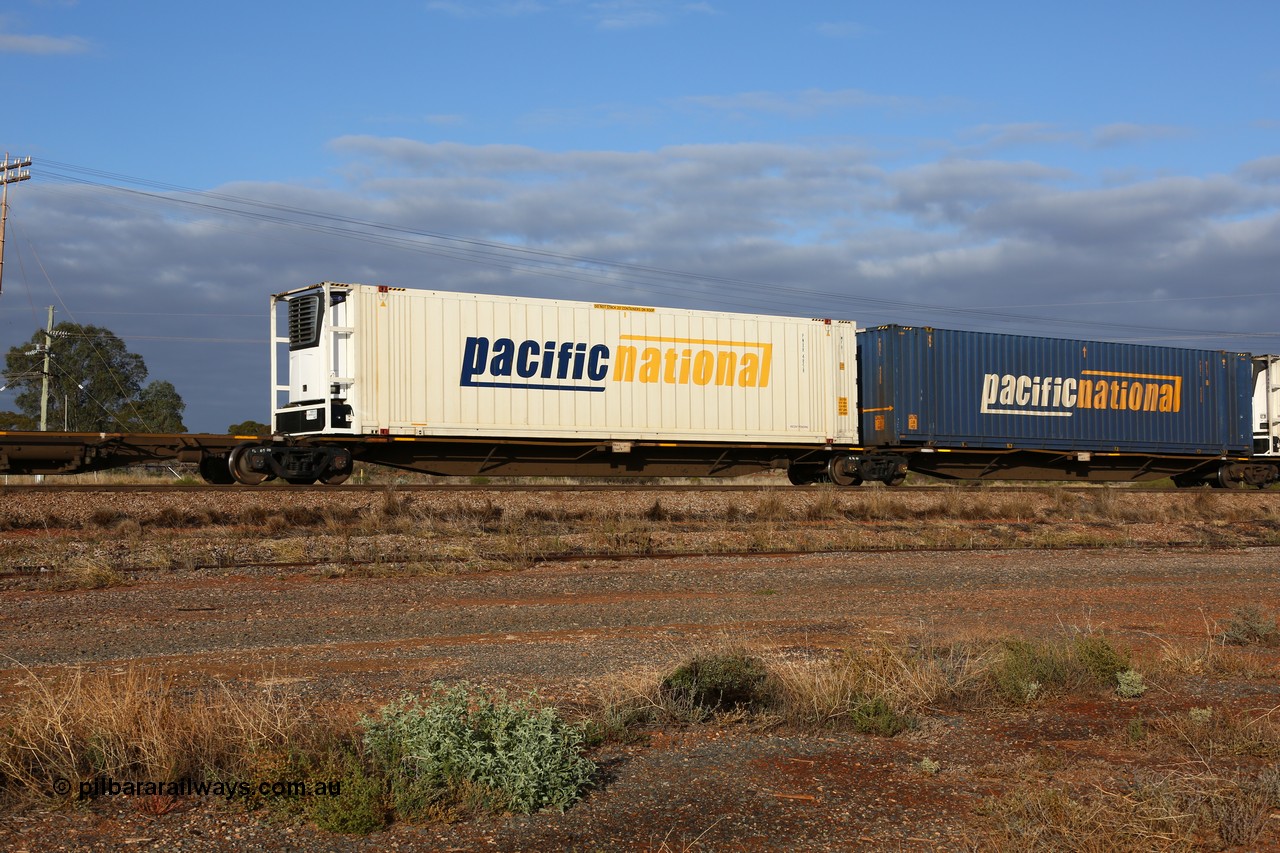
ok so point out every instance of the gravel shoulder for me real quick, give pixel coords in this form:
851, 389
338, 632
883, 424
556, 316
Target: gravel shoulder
570, 629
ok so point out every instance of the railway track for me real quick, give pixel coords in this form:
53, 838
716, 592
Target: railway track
35, 571
411, 529
204, 488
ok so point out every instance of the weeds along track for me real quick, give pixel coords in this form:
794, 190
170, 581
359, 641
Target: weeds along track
96, 538
86, 483
442, 565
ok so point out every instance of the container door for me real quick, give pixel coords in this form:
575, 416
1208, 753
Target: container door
1266, 405
845, 371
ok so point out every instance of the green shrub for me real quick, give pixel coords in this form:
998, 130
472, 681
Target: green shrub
875, 716
359, 805
1136, 730
1129, 684
724, 681
1102, 660
1026, 668
464, 749
1249, 626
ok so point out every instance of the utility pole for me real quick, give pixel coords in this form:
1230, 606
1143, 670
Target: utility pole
43, 349
10, 173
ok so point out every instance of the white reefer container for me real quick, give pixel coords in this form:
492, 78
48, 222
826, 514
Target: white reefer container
372, 360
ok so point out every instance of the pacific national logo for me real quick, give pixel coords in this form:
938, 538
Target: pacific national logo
576, 366
694, 361
1061, 397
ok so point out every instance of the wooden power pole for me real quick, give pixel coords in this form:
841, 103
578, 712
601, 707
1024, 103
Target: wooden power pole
10, 173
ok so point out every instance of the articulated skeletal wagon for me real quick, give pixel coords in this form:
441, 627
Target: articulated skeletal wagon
469, 384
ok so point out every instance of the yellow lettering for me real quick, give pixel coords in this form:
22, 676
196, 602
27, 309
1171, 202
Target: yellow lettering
669, 374
684, 366
651, 365
625, 368
1084, 393
703, 367
726, 366
1151, 400
692, 366
1100, 394
1135, 396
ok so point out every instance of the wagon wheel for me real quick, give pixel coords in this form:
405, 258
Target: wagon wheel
334, 478
1224, 480
214, 470
239, 467
838, 474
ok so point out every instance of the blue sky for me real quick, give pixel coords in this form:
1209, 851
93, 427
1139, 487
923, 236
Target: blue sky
1095, 170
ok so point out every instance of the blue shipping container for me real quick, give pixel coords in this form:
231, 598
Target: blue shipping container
941, 388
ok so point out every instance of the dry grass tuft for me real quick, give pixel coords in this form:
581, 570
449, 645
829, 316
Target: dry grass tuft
771, 507
1054, 817
135, 724
1212, 732
826, 506
87, 572
906, 679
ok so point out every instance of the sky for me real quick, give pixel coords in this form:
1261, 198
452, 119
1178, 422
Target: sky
1089, 170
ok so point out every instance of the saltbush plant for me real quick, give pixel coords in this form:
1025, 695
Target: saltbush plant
1250, 626
1130, 684
1029, 669
1026, 667
722, 681
465, 749
1102, 660
874, 715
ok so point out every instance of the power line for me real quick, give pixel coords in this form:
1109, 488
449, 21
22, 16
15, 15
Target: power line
565, 266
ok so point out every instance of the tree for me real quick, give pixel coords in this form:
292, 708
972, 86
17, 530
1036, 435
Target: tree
95, 383
250, 428
158, 409
17, 421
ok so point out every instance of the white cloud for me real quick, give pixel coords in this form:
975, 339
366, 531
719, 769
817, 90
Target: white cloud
792, 229
809, 102
634, 14
953, 191
1123, 133
487, 8
1264, 169
993, 137
43, 45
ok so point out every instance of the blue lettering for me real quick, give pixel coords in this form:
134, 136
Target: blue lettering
548, 359
504, 350
598, 363
527, 361
563, 360
566, 349
474, 354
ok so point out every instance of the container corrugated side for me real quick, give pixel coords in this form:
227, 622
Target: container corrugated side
937, 387
454, 364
